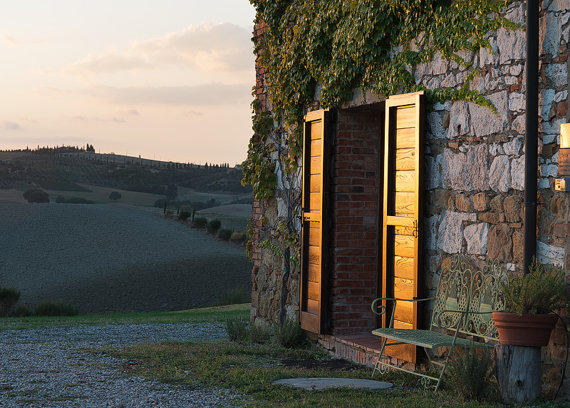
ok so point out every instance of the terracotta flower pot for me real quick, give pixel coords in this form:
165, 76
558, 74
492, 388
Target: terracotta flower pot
532, 330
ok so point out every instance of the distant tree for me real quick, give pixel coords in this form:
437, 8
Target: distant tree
115, 195
90, 148
36, 196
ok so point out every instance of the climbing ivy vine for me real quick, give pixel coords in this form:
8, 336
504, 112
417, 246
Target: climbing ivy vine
345, 44
340, 45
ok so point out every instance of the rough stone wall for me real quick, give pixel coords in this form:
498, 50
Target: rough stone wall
475, 164
268, 265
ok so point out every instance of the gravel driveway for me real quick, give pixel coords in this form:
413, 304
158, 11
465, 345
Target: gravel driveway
46, 367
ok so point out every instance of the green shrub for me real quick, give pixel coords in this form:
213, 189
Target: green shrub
236, 329
259, 334
22, 311
224, 234
56, 308
199, 222
237, 237
235, 296
468, 373
36, 195
290, 335
541, 291
214, 226
8, 298
114, 195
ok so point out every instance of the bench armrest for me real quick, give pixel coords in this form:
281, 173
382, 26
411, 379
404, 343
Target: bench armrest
381, 309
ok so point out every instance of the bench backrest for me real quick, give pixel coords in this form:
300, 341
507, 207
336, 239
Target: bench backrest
462, 288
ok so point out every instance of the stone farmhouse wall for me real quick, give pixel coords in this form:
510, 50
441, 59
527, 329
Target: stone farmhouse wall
474, 167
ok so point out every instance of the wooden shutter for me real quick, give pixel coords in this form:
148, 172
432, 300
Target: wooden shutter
402, 207
314, 226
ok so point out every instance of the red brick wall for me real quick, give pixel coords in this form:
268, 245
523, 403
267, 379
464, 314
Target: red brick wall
355, 200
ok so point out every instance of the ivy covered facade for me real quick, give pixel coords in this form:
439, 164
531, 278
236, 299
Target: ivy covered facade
345, 62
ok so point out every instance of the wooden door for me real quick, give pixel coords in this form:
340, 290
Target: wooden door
402, 211
314, 222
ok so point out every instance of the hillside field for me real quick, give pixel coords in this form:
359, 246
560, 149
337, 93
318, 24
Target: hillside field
114, 258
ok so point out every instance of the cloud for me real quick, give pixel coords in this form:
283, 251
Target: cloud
193, 113
207, 47
197, 95
9, 125
7, 39
111, 119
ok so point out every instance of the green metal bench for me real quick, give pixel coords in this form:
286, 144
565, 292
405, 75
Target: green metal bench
461, 316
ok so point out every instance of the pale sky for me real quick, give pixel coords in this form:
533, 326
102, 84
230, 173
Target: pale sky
165, 79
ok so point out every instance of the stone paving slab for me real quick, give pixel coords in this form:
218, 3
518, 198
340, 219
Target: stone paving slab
323, 383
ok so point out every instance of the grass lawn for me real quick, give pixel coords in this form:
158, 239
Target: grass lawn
217, 314
250, 369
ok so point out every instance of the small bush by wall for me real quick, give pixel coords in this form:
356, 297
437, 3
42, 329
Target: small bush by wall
236, 329
289, 334
469, 373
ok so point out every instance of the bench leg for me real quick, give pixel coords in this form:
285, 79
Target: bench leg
379, 357
444, 367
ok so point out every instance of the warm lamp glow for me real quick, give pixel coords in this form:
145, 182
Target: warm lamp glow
565, 136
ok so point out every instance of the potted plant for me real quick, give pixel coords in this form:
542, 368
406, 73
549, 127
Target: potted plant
529, 302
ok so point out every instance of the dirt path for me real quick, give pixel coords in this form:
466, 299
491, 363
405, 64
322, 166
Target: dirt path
50, 367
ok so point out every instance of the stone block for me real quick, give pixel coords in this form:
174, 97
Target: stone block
557, 74
519, 124
491, 217
517, 101
518, 246
512, 209
433, 171
466, 171
450, 231
489, 57
548, 170
480, 202
496, 204
545, 102
431, 226
513, 147
458, 120
476, 238
483, 121
511, 44
517, 173
435, 120
549, 35
500, 243
463, 203
549, 254
500, 174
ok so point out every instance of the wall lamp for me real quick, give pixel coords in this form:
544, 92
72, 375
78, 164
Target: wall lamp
562, 183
